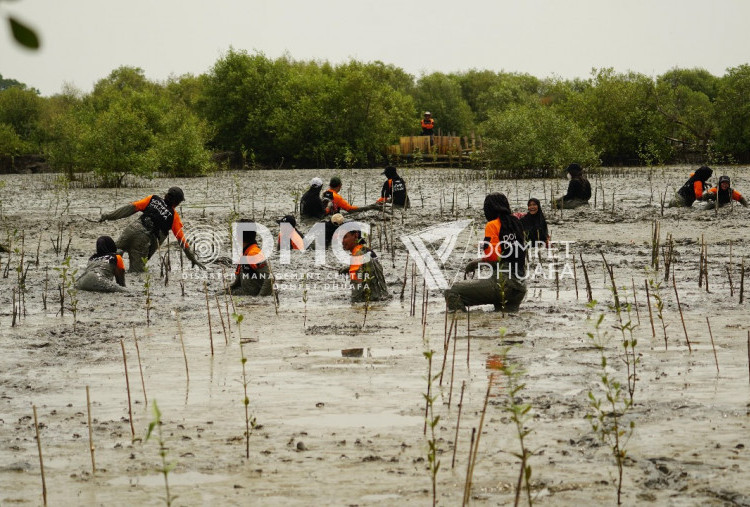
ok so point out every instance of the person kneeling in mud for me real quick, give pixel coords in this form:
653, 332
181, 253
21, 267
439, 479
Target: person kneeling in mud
253, 275
141, 238
500, 283
692, 189
365, 272
723, 194
579, 190
104, 268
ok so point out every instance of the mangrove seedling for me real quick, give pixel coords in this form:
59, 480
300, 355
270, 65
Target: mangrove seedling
431, 421
249, 422
610, 408
166, 466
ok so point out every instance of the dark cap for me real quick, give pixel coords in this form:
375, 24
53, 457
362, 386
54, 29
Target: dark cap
724, 178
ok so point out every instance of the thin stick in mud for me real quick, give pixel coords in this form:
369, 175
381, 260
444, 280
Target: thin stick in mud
635, 300
650, 313
41, 460
182, 342
91, 432
406, 267
140, 366
221, 317
679, 307
458, 423
453, 369
713, 346
589, 296
742, 280
467, 488
127, 386
208, 314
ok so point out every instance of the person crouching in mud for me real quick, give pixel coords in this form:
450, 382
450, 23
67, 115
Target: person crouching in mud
723, 194
692, 189
505, 254
104, 268
365, 272
579, 190
253, 275
141, 238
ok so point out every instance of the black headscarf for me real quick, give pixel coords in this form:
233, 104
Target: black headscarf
702, 173
496, 206
311, 206
105, 245
535, 226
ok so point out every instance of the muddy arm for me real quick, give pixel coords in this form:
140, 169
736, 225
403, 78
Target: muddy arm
121, 212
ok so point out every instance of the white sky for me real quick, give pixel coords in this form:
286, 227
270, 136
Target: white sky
84, 40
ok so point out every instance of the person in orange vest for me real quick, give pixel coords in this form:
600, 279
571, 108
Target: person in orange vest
504, 253
428, 124
364, 271
253, 276
105, 271
692, 189
141, 238
394, 189
723, 194
334, 203
295, 240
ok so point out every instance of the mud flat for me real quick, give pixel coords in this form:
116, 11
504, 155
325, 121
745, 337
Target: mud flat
339, 407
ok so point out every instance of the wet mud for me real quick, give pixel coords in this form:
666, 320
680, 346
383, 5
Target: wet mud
337, 391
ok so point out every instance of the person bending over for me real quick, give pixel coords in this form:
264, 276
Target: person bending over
692, 189
141, 238
365, 272
723, 194
252, 277
105, 271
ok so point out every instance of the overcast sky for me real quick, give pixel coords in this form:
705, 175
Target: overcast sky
84, 40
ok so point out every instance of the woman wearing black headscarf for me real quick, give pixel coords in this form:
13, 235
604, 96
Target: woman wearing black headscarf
694, 188
105, 268
504, 254
534, 224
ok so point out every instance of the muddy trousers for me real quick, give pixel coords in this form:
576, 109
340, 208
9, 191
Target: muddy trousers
139, 243
568, 203
95, 282
505, 293
678, 201
259, 283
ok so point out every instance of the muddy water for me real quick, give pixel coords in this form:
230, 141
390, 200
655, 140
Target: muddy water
337, 392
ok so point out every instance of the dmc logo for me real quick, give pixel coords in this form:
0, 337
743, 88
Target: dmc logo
420, 243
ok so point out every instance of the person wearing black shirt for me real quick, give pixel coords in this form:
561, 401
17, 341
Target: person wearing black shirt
579, 190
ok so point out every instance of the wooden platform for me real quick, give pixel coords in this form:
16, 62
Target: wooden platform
442, 149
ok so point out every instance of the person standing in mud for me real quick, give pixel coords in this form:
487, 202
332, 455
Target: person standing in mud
141, 238
579, 190
428, 126
335, 203
364, 270
105, 271
311, 205
504, 254
253, 276
394, 189
692, 189
723, 194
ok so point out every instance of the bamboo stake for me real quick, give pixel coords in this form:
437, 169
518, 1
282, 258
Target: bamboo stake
91, 433
41, 461
467, 491
635, 301
731, 287
140, 367
221, 317
453, 368
575, 276
208, 313
742, 280
446, 343
465, 501
182, 342
684, 328
589, 296
468, 335
127, 385
713, 346
748, 353
458, 423
406, 268
650, 312
429, 393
